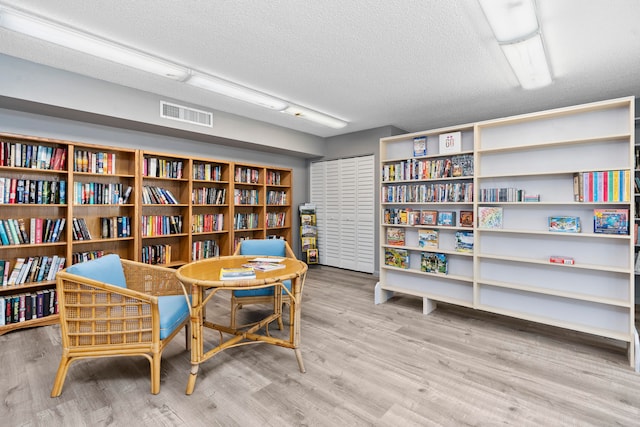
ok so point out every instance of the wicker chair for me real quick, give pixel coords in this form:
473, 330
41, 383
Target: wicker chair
115, 307
267, 247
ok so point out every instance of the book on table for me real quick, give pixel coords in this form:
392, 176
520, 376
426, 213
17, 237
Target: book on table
237, 273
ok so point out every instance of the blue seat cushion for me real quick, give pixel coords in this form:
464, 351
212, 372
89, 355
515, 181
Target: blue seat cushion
267, 247
261, 292
107, 269
173, 311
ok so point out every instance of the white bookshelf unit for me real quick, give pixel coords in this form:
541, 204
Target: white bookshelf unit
509, 271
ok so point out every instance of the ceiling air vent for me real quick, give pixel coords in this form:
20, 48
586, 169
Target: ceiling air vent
186, 114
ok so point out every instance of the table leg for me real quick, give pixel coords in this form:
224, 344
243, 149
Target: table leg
191, 383
197, 345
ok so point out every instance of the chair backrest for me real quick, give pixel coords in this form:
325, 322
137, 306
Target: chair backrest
107, 269
267, 247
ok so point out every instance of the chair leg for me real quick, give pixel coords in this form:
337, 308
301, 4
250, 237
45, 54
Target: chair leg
187, 335
65, 361
155, 373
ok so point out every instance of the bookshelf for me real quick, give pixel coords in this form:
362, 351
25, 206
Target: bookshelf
278, 203
534, 157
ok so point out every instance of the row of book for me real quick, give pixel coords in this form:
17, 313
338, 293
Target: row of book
276, 197
208, 196
22, 155
246, 221
96, 193
421, 169
205, 223
40, 230
276, 219
28, 306
156, 254
408, 216
602, 186
160, 225
430, 262
273, 178
429, 238
204, 249
246, 197
504, 194
206, 172
152, 195
94, 162
247, 175
115, 227
32, 191
80, 230
460, 192
77, 257
162, 168
30, 269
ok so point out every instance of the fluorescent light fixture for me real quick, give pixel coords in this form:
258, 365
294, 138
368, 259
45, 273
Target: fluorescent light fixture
515, 26
528, 61
86, 43
233, 90
510, 20
315, 116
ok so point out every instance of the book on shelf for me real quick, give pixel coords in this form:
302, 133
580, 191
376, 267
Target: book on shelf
237, 273
420, 146
395, 236
308, 219
431, 262
490, 217
395, 257
558, 259
611, 221
308, 243
428, 238
450, 142
565, 224
446, 218
466, 218
464, 241
428, 217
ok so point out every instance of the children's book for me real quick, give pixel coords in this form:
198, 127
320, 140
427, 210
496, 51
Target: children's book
565, 224
428, 217
240, 273
434, 263
428, 238
489, 217
420, 146
446, 218
464, 241
611, 221
396, 257
395, 236
466, 218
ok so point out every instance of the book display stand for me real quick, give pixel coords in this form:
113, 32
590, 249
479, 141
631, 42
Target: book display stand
309, 233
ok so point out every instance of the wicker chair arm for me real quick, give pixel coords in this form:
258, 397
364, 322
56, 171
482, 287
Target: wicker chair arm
151, 279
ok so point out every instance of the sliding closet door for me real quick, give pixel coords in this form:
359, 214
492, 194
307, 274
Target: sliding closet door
343, 191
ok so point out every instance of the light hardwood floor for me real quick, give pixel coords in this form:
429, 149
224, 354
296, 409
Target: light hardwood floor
367, 365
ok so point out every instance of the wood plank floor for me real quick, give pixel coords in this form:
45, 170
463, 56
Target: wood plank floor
367, 365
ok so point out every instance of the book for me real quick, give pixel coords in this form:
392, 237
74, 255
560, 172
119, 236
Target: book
420, 146
557, 259
428, 238
611, 221
489, 217
431, 262
238, 273
466, 218
446, 218
565, 224
450, 142
395, 236
464, 241
263, 265
396, 257
428, 217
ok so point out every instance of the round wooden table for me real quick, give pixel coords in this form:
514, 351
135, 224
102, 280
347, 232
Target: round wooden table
203, 278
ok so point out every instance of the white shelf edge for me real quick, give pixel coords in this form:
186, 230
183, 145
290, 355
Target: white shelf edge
555, 234
424, 273
546, 145
433, 250
542, 262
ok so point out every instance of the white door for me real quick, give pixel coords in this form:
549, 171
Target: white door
365, 228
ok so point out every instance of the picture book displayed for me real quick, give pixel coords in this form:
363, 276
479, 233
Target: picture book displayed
420, 146
239, 273
489, 217
395, 236
428, 238
464, 241
431, 262
396, 257
450, 142
565, 224
466, 218
611, 221
428, 217
446, 218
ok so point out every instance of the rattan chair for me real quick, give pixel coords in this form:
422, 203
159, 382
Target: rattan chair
115, 307
266, 247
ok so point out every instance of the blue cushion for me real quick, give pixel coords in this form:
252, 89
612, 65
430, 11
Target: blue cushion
173, 311
107, 269
267, 247
262, 291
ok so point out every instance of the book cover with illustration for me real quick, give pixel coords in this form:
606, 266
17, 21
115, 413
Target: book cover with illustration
420, 146
396, 257
428, 238
489, 217
431, 262
611, 221
565, 224
395, 236
447, 218
466, 218
464, 241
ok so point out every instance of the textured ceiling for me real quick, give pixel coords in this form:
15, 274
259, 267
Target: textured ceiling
413, 64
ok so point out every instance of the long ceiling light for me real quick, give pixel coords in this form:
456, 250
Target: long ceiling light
515, 26
314, 116
87, 43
